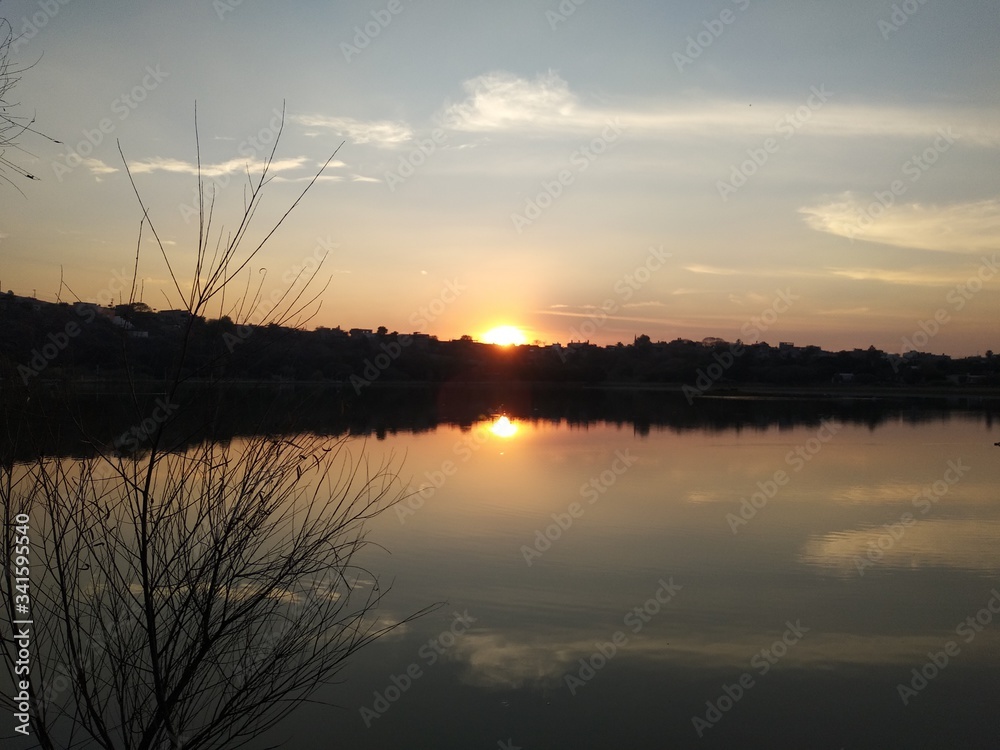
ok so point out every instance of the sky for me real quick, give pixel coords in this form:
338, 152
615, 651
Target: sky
817, 172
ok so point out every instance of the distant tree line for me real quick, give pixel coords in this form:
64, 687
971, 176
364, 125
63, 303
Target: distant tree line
65, 341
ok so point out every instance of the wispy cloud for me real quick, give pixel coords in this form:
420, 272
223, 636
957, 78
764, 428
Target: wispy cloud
775, 273
908, 277
500, 101
309, 178
955, 228
848, 311
651, 303
619, 318
386, 133
232, 166
712, 270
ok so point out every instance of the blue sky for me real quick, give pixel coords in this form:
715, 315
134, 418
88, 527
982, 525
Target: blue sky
590, 171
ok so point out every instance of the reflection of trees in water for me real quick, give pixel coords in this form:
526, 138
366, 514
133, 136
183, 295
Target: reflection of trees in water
55, 420
193, 600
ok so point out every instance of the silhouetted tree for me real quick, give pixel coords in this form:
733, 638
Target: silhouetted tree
12, 125
189, 599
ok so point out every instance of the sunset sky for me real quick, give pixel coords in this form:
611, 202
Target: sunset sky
580, 170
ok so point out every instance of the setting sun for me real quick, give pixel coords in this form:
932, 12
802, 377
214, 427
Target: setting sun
505, 336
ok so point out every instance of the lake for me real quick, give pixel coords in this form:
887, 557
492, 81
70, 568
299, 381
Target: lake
623, 569
822, 581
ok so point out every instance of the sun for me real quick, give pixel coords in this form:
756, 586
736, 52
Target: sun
505, 336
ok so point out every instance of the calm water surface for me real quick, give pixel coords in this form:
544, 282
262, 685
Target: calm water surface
697, 587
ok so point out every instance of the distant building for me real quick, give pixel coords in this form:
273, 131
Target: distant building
421, 340
174, 317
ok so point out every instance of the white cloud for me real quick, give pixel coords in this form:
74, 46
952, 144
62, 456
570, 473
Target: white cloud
502, 101
955, 228
377, 132
98, 167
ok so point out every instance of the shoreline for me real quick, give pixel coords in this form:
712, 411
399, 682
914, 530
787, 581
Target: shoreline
723, 391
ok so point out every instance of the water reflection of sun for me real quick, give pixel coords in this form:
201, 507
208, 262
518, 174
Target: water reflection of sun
503, 427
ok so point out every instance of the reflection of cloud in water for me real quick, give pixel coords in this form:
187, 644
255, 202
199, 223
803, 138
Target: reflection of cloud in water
706, 496
494, 661
965, 545
515, 660
882, 493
